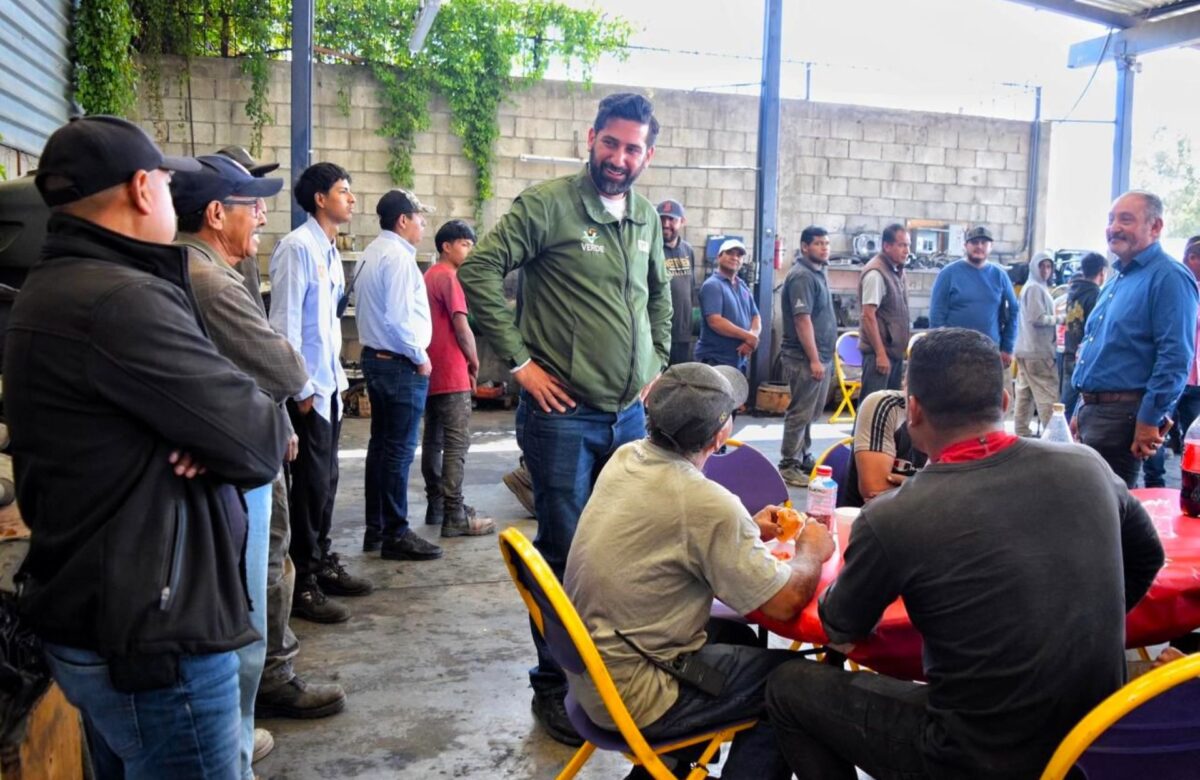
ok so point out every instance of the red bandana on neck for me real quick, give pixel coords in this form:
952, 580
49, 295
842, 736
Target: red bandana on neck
977, 447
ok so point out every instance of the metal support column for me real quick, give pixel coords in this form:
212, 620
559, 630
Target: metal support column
767, 187
302, 71
1123, 125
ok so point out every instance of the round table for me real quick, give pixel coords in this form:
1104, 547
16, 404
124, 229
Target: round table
1171, 608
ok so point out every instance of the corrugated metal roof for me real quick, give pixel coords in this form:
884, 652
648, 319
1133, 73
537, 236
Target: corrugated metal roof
1140, 8
35, 71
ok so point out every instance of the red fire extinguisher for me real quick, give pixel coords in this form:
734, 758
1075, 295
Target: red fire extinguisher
778, 252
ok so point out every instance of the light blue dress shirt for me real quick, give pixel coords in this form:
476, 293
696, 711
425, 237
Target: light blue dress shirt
1142, 333
306, 283
391, 305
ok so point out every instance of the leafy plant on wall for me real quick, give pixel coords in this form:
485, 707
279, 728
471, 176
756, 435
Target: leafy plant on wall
104, 76
478, 53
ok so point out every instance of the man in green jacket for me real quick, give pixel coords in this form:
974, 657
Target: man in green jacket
593, 333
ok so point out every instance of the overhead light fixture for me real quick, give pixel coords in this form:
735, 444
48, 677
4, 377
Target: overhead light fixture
428, 12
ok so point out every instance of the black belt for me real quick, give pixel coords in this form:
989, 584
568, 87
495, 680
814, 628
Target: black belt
383, 354
1114, 397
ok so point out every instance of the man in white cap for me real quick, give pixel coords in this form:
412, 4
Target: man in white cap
643, 580
729, 324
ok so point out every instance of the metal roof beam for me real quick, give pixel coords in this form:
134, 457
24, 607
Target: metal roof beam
1177, 31
1089, 13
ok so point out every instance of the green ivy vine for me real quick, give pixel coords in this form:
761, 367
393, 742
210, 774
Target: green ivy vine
478, 53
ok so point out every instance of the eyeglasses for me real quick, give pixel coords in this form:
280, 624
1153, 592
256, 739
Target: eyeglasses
259, 207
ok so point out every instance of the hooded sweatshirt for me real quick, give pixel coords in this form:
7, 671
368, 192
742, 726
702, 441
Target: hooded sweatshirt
1035, 337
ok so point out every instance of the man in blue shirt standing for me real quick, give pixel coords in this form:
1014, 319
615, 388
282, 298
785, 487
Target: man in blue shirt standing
1138, 343
394, 326
729, 324
306, 282
973, 293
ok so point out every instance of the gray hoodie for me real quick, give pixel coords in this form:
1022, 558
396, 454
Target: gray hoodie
1035, 336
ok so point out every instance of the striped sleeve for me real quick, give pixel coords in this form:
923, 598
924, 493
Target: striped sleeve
879, 417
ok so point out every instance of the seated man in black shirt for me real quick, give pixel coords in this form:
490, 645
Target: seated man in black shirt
1017, 560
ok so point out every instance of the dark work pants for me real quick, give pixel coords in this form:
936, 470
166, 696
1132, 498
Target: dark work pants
829, 721
444, 444
872, 380
681, 351
1108, 429
282, 645
314, 486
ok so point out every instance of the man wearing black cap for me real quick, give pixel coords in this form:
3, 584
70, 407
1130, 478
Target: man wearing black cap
681, 269
221, 210
651, 575
395, 329
281, 692
130, 436
973, 293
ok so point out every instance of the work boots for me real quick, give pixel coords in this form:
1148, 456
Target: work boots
298, 699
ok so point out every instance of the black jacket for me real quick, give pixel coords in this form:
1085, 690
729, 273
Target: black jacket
107, 369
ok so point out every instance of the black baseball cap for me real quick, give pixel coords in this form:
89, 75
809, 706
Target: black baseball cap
92, 153
218, 179
976, 233
240, 155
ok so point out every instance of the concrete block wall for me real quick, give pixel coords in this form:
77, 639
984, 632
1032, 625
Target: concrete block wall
848, 168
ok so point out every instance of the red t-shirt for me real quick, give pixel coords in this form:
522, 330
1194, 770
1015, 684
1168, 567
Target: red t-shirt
446, 299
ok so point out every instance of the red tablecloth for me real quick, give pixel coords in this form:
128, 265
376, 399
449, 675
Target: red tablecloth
1171, 607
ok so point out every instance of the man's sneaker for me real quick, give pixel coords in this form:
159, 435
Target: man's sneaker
519, 484
310, 603
468, 523
550, 711
264, 743
410, 547
795, 476
298, 699
336, 581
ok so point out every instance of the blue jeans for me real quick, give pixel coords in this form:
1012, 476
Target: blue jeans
564, 454
252, 657
185, 731
397, 393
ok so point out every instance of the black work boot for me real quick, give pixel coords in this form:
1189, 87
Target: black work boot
298, 699
551, 713
410, 547
310, 603
336, 581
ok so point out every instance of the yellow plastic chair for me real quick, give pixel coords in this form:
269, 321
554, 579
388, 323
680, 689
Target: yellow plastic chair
572, 647
1139, 692
846, 353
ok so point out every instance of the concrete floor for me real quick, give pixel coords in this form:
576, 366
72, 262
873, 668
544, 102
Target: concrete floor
435, 661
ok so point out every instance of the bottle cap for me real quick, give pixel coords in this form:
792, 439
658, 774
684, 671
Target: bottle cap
824, 471
1059, 408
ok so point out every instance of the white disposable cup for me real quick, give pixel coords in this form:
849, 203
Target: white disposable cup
843, 520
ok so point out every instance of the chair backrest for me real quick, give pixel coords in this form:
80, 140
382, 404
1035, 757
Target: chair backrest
1148, 728
847, 351
837, 457
566, 636
749, 475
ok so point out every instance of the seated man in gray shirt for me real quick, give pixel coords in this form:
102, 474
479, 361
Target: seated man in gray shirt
656, 541
1017, 560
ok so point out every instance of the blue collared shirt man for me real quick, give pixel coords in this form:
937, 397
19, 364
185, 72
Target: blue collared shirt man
391, 305
1138, 343
729, 324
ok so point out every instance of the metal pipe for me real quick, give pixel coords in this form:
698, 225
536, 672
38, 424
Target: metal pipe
302, 71
766, 196
1031, 186
1123, 129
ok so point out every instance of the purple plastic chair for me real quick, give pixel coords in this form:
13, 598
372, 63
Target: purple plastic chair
837, 457
746, 472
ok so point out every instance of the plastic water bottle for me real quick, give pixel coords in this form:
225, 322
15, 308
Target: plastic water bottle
1189, 471
1058, 429
822, 496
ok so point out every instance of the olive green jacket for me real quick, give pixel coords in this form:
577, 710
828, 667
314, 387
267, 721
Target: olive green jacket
595, 299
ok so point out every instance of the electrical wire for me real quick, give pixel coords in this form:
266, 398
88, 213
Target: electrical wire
1095, 70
